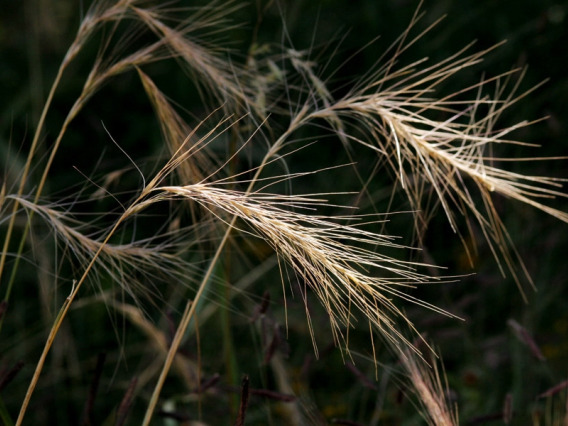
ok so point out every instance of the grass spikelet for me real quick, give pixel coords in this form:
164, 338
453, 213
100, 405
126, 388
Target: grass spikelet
175, 131
145, 257
392, 114
221, 79
432, 393
323, 254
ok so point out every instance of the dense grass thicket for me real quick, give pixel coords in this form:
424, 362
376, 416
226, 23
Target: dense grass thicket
264, 213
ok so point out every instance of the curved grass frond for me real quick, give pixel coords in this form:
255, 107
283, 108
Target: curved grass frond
98, 14
444, 144
324, 255
123, 262
431, 392
175, 131
222, 79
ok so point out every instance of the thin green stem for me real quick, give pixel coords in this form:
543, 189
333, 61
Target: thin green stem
5, 415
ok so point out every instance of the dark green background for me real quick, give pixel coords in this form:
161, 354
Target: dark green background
483, 358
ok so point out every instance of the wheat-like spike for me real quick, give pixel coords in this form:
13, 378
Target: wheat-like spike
121, 262
432, 394
392, 116
324, 254
394, 111
175, 131
222, 79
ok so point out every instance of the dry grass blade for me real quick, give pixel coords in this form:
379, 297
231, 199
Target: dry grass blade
221, 79
175, 131
2, 195
431, 392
